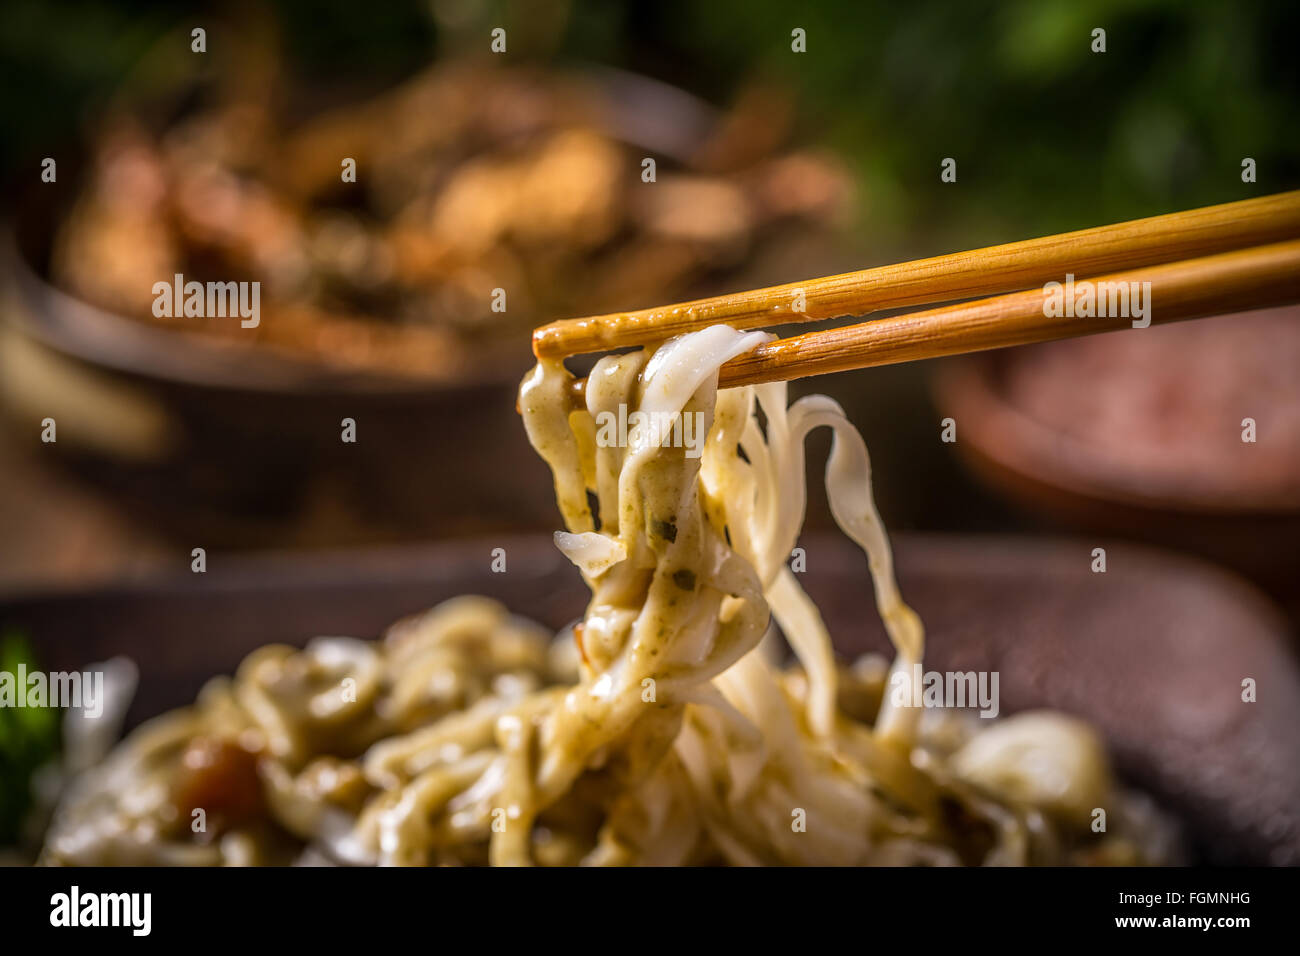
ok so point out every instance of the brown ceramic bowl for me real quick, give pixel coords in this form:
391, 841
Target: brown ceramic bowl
1138, 433
1152, 653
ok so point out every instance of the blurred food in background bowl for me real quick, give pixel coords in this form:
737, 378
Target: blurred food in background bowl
1185, 434
376, 296
422, 233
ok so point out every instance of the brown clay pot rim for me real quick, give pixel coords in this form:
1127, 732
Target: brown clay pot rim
1001, 432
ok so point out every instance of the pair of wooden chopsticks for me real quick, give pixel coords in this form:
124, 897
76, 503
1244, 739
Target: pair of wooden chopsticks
1232, 257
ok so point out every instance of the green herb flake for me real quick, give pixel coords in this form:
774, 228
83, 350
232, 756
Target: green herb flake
664, 529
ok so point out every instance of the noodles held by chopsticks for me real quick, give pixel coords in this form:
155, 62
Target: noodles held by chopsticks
659, 730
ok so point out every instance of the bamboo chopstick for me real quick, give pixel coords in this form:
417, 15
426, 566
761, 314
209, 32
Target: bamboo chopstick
996, 269
1257, 277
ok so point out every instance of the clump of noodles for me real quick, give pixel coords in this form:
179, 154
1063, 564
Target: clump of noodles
671, 736
674, 610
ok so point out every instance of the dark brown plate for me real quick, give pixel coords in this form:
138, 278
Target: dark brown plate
1153, 652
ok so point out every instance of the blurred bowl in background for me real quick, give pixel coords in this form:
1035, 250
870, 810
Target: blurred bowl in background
234, 441
1142, 433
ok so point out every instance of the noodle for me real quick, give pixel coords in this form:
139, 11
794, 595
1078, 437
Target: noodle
670, 736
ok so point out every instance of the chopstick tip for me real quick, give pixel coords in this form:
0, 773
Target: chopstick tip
540, 338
